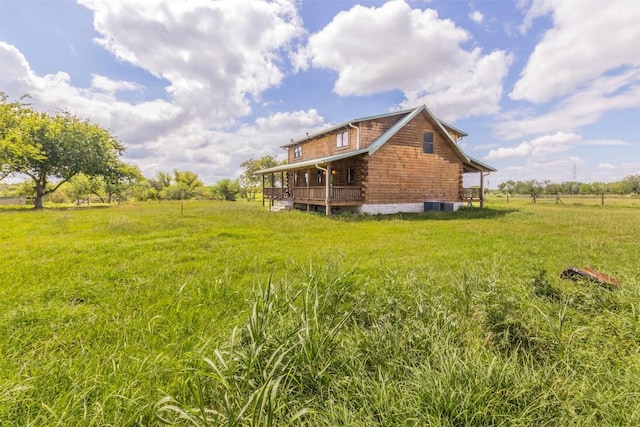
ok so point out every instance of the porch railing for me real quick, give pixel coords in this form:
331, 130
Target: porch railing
471, 193
337, 193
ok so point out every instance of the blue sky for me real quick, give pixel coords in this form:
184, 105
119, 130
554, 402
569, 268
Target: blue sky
543, 88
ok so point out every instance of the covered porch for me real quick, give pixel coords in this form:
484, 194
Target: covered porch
476, 193
321, 184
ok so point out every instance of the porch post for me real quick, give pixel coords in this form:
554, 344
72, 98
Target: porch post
327, 185
273, 185
481, 190
282, 182
308, 182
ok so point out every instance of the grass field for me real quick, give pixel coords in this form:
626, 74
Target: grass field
232, 315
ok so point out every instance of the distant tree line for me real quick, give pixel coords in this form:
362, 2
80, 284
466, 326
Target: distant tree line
83, 188
630, 185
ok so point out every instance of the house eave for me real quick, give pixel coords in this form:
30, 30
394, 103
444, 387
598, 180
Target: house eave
312, 162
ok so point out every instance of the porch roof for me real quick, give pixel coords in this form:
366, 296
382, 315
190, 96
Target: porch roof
313, 162
477, 166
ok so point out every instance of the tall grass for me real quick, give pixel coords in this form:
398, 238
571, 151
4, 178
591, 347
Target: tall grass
402, 359
232, 315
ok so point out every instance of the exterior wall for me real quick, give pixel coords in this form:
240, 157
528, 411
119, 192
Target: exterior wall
391, 208
372, 129
400, 173
323, 146
340, 171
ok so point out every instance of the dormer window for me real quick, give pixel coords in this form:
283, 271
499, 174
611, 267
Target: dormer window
342, 139
297, 152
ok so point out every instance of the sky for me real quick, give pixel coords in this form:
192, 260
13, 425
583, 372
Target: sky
546, 89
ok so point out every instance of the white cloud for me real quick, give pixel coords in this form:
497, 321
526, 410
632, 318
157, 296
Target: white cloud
605, 142
105, 84
606, 166
476, 16
217, 55
394, 47
603, 94
540, 147
630, 168
586, 41
190, 147
297, 122
557, 170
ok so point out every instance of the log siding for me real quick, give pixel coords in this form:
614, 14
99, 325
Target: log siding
400, 172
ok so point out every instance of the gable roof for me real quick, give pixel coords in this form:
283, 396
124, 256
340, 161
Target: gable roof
365, 119
409, 115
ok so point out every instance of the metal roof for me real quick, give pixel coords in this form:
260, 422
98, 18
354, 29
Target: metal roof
320, 161
364, 119
409, 115
477, 164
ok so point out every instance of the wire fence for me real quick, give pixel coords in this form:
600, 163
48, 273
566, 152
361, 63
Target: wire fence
571, 199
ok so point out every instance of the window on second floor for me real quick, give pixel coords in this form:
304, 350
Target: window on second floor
297, 152
342, 139
427, 142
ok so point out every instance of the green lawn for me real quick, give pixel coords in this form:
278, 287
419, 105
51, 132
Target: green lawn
233, 315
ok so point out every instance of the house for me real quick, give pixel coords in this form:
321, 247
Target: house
405, 161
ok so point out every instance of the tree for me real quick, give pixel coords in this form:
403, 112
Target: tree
47, 147
248, 180
226, 189
189, 183
631, 184
119, 180
83, 186
507, 186
182, 185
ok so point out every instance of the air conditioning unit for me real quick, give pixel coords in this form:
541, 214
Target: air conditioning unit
447, 207
432, 206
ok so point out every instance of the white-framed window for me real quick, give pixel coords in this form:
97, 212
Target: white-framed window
342, 139
297, 152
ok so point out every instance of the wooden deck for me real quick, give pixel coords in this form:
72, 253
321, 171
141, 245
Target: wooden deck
316, 195
340, 195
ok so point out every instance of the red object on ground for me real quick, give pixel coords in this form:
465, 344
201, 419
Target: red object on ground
589, 274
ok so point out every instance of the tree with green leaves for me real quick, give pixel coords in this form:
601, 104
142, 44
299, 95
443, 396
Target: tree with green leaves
631, 184
53, 147
249, 182
226, 189
182, 185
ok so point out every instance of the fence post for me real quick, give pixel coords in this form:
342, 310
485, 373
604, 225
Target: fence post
602, 199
